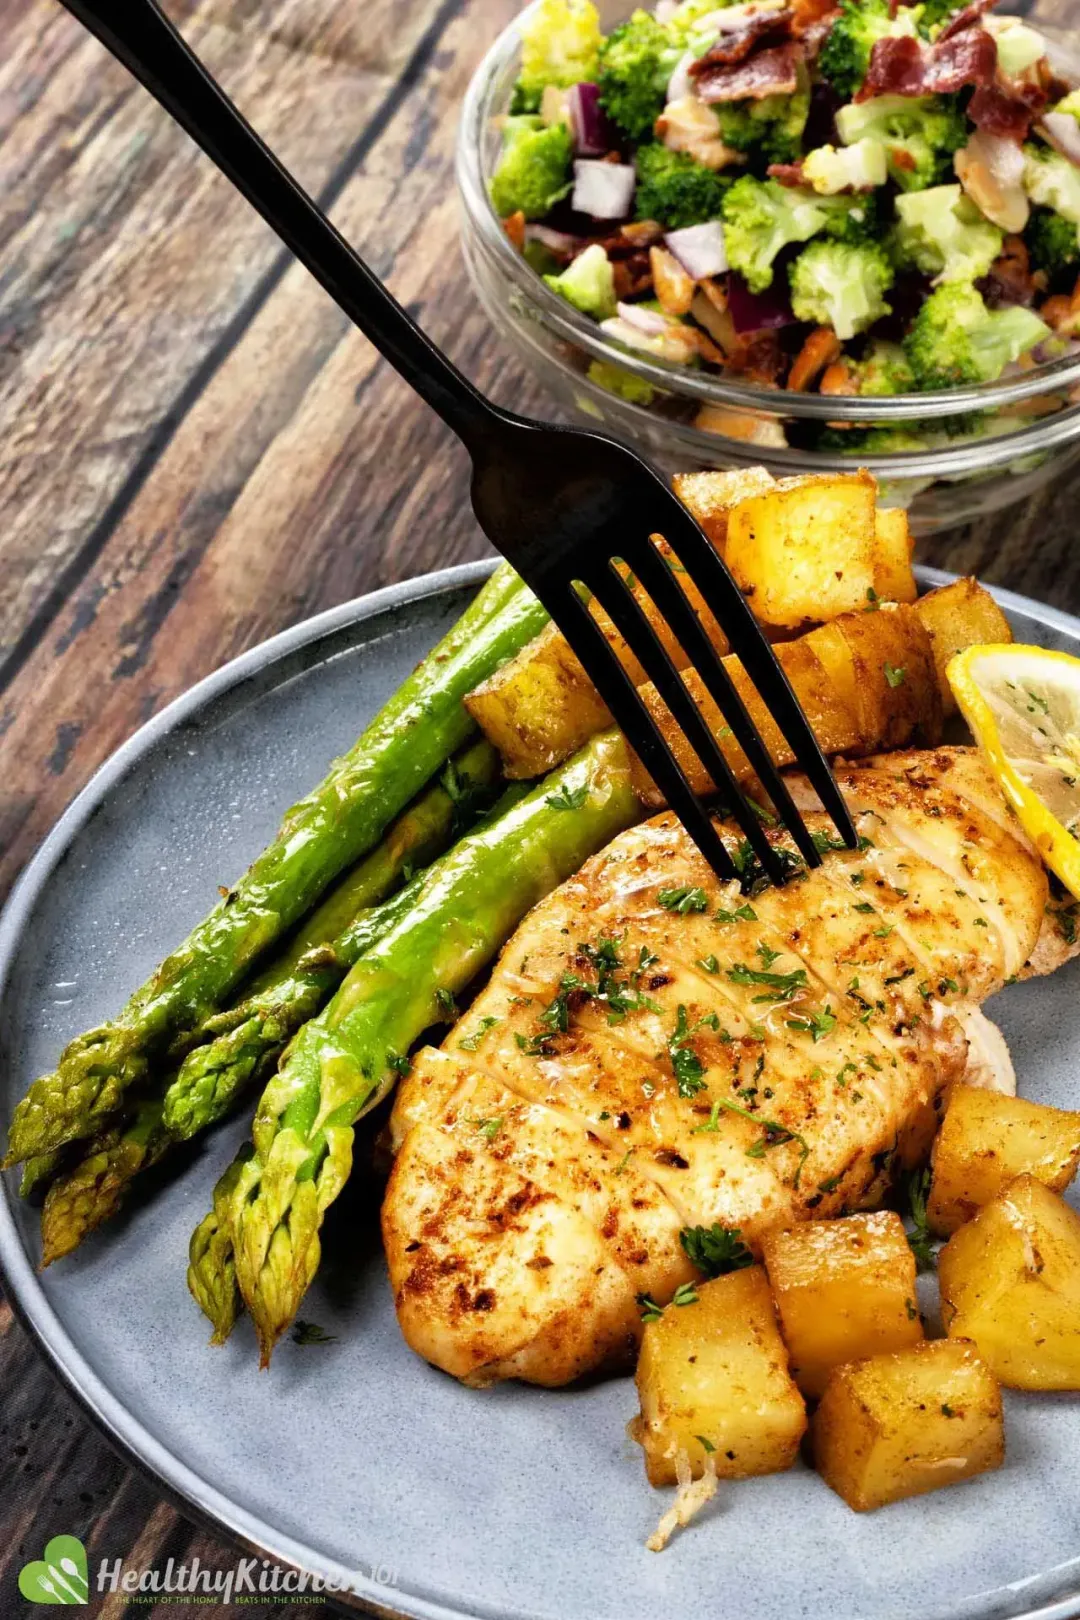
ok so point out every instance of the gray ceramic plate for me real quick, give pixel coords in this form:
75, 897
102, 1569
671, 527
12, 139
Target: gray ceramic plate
354, 1459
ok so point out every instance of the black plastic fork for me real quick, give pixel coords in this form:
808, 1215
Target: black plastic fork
565, 507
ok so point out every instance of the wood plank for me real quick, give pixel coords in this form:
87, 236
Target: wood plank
129, 259
306, 473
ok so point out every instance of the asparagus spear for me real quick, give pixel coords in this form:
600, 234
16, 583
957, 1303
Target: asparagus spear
345, 1061
212, 1270
240, 1043
80, 1201
342, 818
213, 1075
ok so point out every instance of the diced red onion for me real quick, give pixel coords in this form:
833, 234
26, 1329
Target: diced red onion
604, 190
556, 241
649, 321
700, 249
755, 312
681, 84
593, 135
1063, 132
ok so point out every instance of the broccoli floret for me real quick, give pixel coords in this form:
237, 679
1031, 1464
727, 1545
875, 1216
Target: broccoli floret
919, 135
829, 170
560, 45
685, 21
533, 172
845, 55
842, 285
884, 370
1052, 241
955, 339
674, 190
858, 217
623, 383
636, 62
588, 282
769, 129
934, 12
942, 233
1052, 181
761, 217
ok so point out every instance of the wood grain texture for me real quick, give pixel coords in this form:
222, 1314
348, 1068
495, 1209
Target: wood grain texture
195, 452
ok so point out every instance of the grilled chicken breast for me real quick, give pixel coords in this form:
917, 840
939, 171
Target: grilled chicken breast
657, 1050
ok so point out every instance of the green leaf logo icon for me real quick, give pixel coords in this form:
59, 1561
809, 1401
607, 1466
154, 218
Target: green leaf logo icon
59, 1576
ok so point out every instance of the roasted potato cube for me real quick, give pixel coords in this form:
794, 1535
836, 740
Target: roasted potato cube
904, 1424
844, 1290
1010, 1281
716, 1371
710, 496
893, 544
538, 708
986, 1140
865, 682
804, 550
957, 616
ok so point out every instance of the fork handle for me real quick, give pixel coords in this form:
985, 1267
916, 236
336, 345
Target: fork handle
140, 36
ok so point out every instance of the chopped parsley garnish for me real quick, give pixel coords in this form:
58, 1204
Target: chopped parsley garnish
865, 907
619, 996
398, 1062
650, 1310
775, 1135
568, 798
894, 676
469, 1043
704, 1442
687, 1066
830, 1185
917, 1188
715, 1250
446, 1003
685, 1294
873, 601
488, 1128
753, 878
816, 1025
745, 913
709, 963
311, 1333
785, 985
683, 899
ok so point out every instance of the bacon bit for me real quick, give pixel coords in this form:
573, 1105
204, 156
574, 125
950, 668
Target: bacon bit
838, 379
1010, 279
514, 226
788, 174
964, 19
633, 276
815, 31
759, 358
821, 348
741, 33
901, 158
1006, 109
674, 288
774, 71
905, 66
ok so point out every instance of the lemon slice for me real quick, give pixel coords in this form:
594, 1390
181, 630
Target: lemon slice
1023, 706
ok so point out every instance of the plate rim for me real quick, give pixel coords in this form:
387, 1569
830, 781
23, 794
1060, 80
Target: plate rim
186, 1489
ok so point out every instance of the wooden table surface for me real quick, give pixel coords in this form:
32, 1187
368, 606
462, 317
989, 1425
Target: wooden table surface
196, 451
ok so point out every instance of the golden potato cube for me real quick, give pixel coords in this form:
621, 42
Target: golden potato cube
804, 550
987, 1139
844, 1290
1010, 1282
893, 544
900, 1425
710, 496
957, 616
881, 666
713, 1376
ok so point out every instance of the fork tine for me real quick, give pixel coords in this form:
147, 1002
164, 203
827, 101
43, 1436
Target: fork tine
612, 591
620, 694
727, 602
655, 575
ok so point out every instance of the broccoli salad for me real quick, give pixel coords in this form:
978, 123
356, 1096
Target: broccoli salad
855, 199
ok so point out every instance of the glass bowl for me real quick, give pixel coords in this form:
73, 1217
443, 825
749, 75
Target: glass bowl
1036, 425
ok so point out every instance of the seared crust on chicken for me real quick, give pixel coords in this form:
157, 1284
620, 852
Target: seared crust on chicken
657, 1050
